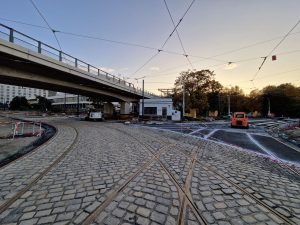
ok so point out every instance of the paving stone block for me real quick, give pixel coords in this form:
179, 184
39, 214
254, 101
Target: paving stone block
158, 217
47, 219
143, 212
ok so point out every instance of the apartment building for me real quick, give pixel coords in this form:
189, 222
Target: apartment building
8, 92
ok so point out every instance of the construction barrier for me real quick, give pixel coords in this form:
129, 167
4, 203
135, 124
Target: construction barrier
27, 129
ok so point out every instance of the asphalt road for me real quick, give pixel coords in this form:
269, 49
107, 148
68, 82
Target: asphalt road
254, 139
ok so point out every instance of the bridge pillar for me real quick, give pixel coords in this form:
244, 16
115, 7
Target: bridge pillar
108, 110
125, 108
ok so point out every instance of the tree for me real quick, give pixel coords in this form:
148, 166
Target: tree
238, 100
284, 100
254, 101
19, 103
43, 103
197, 85
213, 96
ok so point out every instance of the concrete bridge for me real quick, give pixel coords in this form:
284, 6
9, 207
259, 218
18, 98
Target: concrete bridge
25, 61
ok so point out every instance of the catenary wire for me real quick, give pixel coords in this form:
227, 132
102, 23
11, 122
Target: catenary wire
165, 42
53, 31
110, 40
224, 53
178, 36
162, 73
149, 47
276, 46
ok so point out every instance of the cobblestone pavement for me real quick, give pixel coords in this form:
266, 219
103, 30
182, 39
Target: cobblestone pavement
110, 173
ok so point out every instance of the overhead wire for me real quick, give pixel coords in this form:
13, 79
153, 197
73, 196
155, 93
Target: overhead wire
23, 23
53, 31
142, 46
109, 40
149, 47
177, 33
162, 73
167, 39
279, 43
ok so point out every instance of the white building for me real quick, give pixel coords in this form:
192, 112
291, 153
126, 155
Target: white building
8, 92
159, 108
69, 101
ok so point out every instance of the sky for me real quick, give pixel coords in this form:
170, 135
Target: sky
229, 37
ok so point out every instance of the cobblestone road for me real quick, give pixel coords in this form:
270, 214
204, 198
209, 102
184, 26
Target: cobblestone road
109, 173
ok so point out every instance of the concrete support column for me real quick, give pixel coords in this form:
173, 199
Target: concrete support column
108, 108
125, 108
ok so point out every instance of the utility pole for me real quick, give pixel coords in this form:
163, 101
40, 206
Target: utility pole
269, 107
65, 109
183, 100
77, 105
143, 101
219, 108
228, 97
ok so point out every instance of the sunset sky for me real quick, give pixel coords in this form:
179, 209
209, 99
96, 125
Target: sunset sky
213, 33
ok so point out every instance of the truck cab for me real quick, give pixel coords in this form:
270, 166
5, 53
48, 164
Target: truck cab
239, 119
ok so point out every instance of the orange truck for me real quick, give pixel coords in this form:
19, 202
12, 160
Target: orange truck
239, 119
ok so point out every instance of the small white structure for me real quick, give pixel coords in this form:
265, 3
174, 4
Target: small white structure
158, 107
176, 115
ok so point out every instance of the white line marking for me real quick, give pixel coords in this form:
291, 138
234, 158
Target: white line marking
195, 131
248, 151
260, 146
210, 134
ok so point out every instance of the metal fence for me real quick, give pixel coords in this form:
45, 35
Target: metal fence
13, 36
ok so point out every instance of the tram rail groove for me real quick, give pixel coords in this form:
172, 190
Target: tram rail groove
257, 200
92, 217
187, 186
184, 196
10, 201
281, 163
284, 218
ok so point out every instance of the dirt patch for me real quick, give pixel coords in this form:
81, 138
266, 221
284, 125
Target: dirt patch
11, 149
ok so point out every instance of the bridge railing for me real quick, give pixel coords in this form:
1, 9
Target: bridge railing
14, 36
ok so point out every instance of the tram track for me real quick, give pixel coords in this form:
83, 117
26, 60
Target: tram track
6, 205
91, 218
185, 196
184, 193
194, 159
256, 199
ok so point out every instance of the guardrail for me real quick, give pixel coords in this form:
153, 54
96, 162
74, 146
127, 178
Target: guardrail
19, 38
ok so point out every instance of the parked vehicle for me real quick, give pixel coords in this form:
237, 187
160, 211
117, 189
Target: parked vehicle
239, 119
94, 115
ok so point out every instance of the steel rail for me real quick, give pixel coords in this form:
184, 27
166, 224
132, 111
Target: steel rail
185, 195
92, 217
257, 200
194, 158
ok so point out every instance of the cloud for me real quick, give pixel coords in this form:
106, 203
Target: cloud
123, 69
154, 68
107, 69
230, 66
